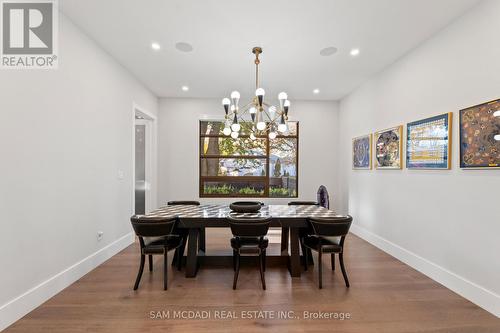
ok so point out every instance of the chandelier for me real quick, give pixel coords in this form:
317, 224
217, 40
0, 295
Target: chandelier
264, 118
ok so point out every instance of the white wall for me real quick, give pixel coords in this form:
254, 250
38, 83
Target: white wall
64, 134
178, 147
444, 223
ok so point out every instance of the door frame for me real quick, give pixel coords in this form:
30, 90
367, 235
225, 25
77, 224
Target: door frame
151, 152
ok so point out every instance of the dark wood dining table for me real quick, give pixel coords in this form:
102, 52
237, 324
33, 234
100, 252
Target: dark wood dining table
214, 216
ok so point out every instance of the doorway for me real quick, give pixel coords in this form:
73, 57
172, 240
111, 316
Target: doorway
144, 156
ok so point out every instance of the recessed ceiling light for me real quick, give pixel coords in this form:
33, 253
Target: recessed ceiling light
328, 51
155, 46
316, 91
354, 52
496, 113
185, 88
497, 137
184, 47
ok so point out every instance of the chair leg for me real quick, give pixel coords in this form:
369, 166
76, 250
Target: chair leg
202, 240
333, 261
341, 260
150, 263
237, 270
304, 252
165, 270
235, 253
139, 274
320, 270
264, 259
261, 266
179, 259
306, 258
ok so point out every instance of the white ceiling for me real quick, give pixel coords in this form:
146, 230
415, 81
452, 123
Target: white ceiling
291, 32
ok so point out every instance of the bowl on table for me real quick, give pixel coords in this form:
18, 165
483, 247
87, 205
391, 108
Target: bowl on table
246, 206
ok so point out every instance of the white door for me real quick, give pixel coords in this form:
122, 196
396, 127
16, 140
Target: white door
143, 166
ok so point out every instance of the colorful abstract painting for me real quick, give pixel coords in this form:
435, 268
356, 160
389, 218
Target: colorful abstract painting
428, 143
388, 148
480, 136
361, 152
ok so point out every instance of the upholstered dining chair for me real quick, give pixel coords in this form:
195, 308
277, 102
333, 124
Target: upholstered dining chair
155, 237
185, 232
328, 236
323, 197
249, 238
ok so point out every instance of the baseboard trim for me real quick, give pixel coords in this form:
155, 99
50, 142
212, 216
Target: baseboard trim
18, 307
478, 295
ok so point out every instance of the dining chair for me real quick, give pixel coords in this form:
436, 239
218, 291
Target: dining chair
249, 238
323, 197
328, 236
155, 237
298, 203
183, 232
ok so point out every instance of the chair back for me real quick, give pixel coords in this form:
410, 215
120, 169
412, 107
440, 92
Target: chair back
145, 226
183, 202
249, 226
297, 203
323, 197
331, 226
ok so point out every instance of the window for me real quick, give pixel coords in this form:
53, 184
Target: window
244, 167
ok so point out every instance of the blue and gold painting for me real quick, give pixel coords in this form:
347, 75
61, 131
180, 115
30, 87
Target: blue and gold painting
361, 152
428, 143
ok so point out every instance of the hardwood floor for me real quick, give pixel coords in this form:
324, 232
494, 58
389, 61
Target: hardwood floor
385, 296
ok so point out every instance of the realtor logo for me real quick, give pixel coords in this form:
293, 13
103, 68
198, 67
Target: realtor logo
29, 34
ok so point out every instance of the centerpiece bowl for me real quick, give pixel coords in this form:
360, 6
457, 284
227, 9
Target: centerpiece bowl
245, 206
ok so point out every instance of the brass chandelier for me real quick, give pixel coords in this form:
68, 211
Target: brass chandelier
264, 118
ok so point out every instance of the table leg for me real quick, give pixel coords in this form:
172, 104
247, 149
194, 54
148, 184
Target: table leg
294, 252
192, 254
202, 240
284, 240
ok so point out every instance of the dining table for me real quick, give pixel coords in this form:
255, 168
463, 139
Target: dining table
193, 218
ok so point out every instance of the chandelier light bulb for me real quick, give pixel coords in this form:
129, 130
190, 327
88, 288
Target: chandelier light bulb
225, 103
235, 127
282, 96
235, 97
260, 92
253, 109
286, 105
234, 135
272, 135
233, 108
260, 95
261, 125
252, 136
226, 131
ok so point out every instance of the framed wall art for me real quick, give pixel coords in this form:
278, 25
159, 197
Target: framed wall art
362, 152
480, 136
428, 143
388, 148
